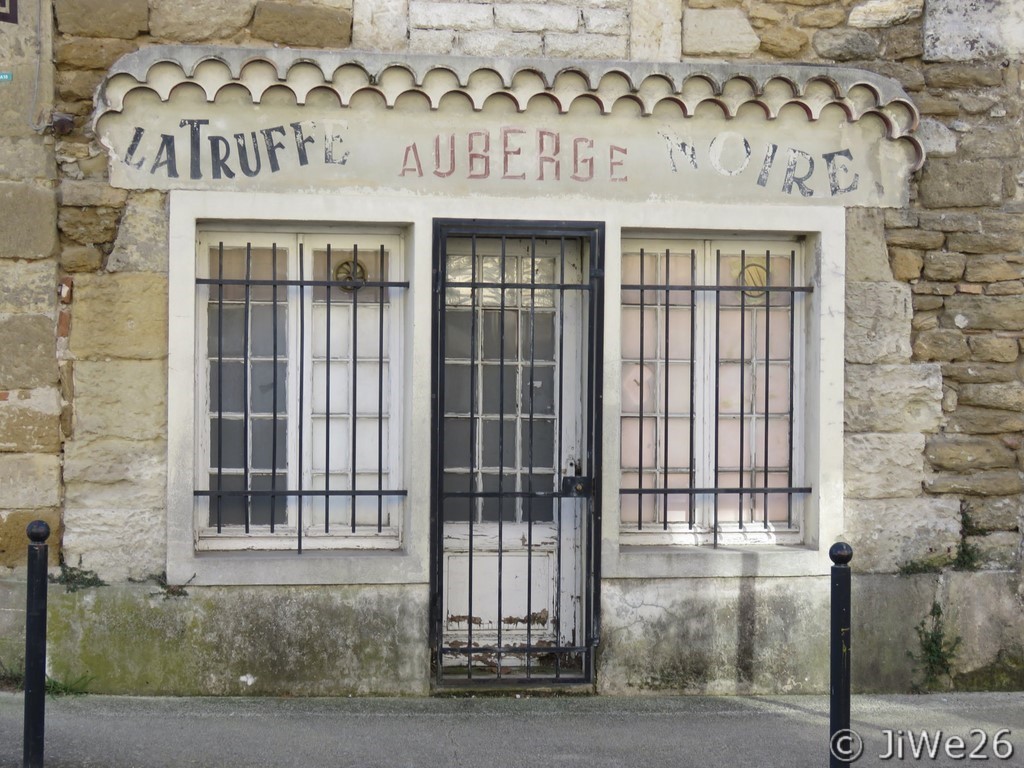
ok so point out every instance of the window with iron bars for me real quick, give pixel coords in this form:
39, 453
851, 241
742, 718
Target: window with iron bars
711, 398
299, 378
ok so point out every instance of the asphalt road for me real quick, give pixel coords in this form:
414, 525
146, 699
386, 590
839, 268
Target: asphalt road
514, 732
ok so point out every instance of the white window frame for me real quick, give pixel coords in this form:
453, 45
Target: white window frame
824, 229
704, 251
286, 536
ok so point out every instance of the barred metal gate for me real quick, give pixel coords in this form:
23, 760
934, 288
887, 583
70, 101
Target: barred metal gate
516, 382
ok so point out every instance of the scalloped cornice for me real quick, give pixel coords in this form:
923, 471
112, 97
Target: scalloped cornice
344, 74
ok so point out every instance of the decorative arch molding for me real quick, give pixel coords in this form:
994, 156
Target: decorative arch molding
740, 100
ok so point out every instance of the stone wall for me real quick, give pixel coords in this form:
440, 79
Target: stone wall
935, 326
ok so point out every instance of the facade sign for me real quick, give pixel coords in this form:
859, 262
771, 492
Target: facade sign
462, 144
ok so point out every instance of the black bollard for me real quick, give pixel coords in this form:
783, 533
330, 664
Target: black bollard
35, 644
843, 746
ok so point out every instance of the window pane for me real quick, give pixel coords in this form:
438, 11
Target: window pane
457, 444
269, 436
226, 380
341, 334
539, 391
492, 335
539, 510
339, 444
263, 507
540, 452
457, 392
490, 506
263, 387
499, 388
538, 333
227, 444
231, 508
339, 388
456, 510
490, 443
457, 334
232, 341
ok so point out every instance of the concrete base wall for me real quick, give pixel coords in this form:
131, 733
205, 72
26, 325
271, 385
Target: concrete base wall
710, 636
310, 641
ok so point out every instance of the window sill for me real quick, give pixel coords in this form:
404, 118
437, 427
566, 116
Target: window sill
636, 559
286, 540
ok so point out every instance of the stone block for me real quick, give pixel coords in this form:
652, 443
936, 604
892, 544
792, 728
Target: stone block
28, 158
914, 238
938, 140
432, 41
79, 193
89, 226
991, 268
30, 421
988, 141
115, 473
844, 44
904, 42
78, 84
121, 398
999, 313
462, 17
583, 45
537, 18
943, 344
655, 30
502, 43
308, 26
603, 21
997, 551
962, 453
381, 26
893, 398
722, 31
883, 466
188, 21
1008, 288
117, 544
28, 287
906, 265
14, 551
958, 184
91, 52
141, 244
979, 372
1009, 395
784, 42
29, 480
944, 265
81, 258
122, 315
29, 360
986, 421
995, 482
28, 228
888, 533
866, 259
959, 31
993, 348
123, 19
878, 322
765, 12
885, 13
821, 18
994, 513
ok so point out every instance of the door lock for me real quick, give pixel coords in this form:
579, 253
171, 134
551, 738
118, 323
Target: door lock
576, 485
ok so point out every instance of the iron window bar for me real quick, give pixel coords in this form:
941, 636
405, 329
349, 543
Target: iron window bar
716, 290
301, 287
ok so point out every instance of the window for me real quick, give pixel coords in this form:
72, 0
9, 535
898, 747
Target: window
711, 347
298, 391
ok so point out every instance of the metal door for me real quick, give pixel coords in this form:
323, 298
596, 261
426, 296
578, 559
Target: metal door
516, 410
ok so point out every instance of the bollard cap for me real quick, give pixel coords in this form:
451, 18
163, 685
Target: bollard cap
841, 553
38, 531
